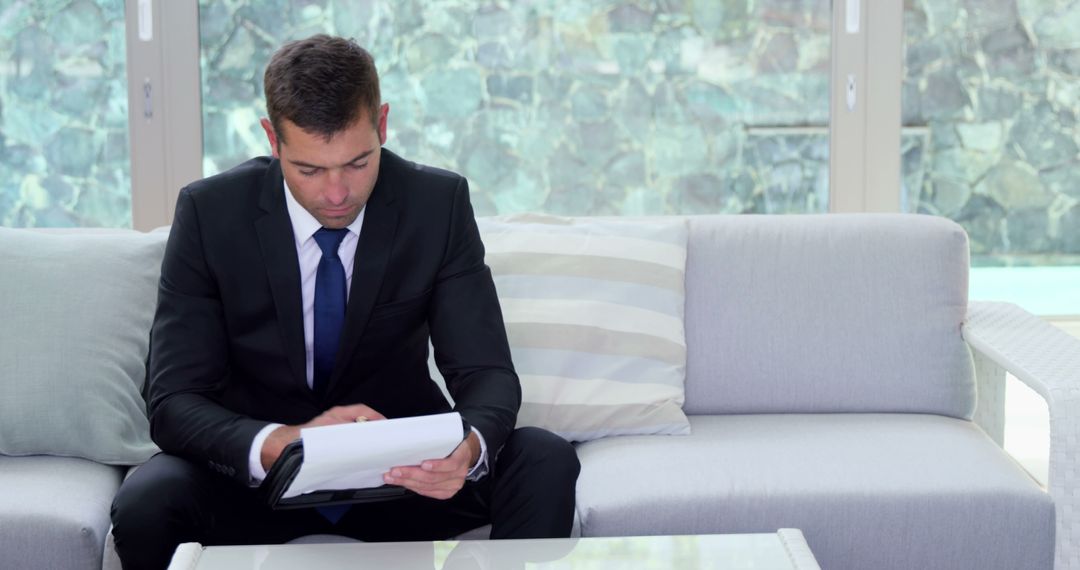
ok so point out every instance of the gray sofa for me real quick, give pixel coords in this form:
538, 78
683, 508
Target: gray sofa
831, 386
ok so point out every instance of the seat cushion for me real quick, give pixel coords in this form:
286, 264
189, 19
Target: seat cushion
54, 511
868, 490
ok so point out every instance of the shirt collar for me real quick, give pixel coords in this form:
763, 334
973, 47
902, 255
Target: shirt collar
305, 225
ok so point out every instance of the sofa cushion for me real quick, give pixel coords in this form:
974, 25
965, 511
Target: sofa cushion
876, 491
54, 511
77, 312
827, 313
594, 315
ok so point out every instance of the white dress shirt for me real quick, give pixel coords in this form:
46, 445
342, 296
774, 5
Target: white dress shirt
308, 253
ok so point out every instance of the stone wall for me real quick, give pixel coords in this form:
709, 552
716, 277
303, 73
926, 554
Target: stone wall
996, 84
617, 107
566, 107
64, 154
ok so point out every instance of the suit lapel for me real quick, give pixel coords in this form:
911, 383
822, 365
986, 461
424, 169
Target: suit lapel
278, 247
369, 264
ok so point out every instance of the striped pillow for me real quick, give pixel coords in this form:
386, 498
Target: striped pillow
594, 314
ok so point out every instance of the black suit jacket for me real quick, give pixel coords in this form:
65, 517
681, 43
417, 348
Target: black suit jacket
227, 344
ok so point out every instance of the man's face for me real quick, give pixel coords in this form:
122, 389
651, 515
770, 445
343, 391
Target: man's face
332, 179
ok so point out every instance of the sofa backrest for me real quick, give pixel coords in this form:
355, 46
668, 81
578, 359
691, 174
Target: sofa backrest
827, 313
823, 313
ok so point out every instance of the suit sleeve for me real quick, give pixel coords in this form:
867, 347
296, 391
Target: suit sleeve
189, 358
468, 334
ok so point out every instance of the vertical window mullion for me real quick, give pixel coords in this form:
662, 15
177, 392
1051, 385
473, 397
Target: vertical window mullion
884, 53
164, 110
847, 122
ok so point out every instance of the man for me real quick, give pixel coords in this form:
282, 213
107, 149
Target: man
301, 290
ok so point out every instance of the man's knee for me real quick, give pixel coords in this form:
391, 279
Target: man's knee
543, 452
156, 508
153, 496
535, 486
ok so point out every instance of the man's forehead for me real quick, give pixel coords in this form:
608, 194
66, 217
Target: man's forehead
353, 139
324, 161
361, 122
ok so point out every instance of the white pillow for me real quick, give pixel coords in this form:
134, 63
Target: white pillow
77, 309
594, 315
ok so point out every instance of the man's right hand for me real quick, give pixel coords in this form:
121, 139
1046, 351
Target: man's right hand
277, 440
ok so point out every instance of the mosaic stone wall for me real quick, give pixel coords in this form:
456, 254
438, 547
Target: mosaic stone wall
64, 153
647, 107
995, 86
565, 107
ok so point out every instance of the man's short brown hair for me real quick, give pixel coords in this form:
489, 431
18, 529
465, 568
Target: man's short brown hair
322, 84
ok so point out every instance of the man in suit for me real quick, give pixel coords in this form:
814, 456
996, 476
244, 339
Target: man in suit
300, 290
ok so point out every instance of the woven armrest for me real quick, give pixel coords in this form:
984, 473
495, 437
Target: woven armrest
1048, 360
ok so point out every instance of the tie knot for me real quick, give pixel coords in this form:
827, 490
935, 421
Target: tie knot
329, 240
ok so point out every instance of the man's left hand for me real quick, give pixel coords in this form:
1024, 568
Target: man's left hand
438, 478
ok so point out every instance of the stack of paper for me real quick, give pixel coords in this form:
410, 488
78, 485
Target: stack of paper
355, 456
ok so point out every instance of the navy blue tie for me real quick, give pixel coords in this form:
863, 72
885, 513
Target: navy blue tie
329, 306
329, 319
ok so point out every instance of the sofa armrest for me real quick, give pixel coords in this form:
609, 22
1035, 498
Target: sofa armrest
1047, 359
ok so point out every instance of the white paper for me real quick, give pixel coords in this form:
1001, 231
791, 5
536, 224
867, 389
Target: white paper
355, 456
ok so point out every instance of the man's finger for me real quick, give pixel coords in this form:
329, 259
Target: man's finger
419, 484
441, 465
457, 459
356, 410
449, 464
427, 477
444, 490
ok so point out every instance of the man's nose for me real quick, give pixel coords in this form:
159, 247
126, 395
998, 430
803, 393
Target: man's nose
337, 191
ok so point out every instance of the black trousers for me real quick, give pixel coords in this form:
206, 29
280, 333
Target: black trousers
529, 493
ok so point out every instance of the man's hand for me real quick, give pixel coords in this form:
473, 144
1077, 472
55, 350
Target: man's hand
277, 440
438, 478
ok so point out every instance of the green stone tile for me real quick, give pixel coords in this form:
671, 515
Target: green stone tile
63, 113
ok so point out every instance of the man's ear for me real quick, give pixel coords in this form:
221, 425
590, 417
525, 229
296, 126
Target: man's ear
270, 136
384, 110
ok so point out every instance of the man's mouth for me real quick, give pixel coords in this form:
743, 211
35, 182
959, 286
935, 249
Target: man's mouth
337, 211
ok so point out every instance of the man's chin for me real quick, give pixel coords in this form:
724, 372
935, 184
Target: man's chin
337, 221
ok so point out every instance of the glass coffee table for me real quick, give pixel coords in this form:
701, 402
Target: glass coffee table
785, 549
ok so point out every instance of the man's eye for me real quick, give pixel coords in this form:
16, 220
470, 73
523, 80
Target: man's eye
355, 166
310, 172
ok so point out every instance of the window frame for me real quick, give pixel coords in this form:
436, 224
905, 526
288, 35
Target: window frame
164, 107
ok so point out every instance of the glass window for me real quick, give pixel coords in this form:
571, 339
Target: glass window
991, 97
64, 154
571, 107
